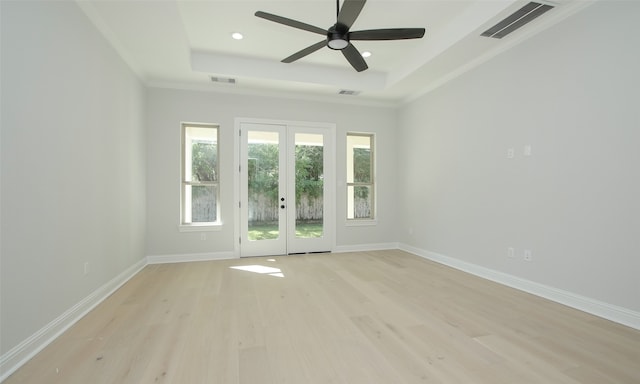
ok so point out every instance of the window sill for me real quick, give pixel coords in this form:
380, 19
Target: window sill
204, 227
361, 223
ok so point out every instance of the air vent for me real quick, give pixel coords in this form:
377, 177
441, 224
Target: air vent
348, 92
516, 20
225, 80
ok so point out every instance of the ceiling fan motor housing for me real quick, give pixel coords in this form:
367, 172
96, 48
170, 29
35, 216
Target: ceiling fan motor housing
337, 39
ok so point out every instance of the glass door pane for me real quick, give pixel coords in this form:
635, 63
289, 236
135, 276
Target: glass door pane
309, 185
263, 205
263, 170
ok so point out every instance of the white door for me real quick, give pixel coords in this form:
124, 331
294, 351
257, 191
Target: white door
285, 177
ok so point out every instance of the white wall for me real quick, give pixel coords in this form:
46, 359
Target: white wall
572, 93
73, 165
167, 108
74, 162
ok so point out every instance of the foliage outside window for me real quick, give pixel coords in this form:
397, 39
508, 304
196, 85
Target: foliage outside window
263, 171
200, 170
360, 176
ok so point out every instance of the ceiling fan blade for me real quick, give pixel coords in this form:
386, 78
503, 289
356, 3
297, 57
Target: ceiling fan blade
302, 53
291, 23
355, 58
349, 13
387, 34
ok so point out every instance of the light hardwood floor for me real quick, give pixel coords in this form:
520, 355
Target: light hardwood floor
367, 317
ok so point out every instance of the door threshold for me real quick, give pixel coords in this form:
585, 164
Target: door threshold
307, 253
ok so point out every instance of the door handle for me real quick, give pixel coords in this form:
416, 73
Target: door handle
282, 206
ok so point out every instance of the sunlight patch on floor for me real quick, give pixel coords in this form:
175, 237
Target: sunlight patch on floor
261, 269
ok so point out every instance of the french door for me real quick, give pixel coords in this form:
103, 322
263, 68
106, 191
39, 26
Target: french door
286, 175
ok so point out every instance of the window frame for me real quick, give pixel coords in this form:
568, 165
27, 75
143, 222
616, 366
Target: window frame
198, 226
372, 219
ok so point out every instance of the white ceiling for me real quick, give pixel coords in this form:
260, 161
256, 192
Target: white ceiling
181, 44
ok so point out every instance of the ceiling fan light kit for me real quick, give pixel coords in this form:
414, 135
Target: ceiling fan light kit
336, 40
338, 36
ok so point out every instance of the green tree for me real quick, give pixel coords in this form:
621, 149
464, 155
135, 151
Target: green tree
361, 170
204, 168
204, 156
309, 171
263, 170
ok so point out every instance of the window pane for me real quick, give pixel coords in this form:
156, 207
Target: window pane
200, 166
309, 185
359, 201
201, 199
203, 161
362, 165
359, 158
360, 176
201, 154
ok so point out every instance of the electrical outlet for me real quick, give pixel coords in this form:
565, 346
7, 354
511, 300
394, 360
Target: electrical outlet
527, 255
511, 253
511, 153
527, 150
203, 236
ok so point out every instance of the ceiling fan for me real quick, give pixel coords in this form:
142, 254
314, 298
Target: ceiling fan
338, 36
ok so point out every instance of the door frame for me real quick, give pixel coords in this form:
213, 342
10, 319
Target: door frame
330, 183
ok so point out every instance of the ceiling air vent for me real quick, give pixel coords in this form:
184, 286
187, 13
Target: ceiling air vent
225, 80
516, 20
348, 92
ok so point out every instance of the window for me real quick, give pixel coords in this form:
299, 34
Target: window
360, 176
200, 182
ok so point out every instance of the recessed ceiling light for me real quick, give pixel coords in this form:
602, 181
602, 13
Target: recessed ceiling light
366, 54
237, 35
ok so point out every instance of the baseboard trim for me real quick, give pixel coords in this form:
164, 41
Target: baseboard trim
598, 308
23, 352
364, 247
190, 257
